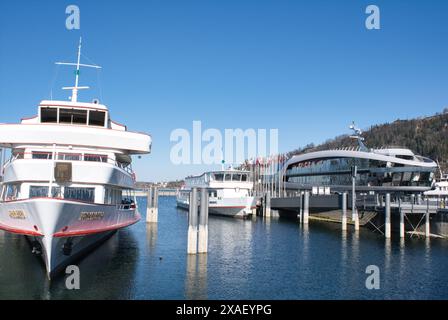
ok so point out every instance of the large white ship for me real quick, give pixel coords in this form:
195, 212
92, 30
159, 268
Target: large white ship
69, 182
392, 168
230, 192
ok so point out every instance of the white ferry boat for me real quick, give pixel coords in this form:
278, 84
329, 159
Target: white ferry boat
68, 184
230, 192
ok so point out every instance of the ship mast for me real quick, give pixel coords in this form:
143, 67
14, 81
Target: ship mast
78, 66
358, 136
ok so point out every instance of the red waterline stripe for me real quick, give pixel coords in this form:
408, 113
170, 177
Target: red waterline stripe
20, 231
93, 231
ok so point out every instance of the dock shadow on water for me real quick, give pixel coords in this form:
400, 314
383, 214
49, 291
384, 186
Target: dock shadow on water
247, 259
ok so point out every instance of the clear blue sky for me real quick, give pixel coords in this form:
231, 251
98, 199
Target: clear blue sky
307, 68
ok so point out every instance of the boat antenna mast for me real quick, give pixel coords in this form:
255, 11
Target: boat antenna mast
78, 66
358, 136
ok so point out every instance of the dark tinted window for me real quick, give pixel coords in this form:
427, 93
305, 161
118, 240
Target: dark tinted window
97, 118
83, 194
95, 158
48, 115
42, 155
72, 116
80, 116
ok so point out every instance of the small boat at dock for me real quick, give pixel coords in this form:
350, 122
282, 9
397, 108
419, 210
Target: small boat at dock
230, 192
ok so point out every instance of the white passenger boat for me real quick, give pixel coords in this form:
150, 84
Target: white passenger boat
69, 182
230, 192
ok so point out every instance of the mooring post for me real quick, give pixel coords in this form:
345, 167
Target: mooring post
401, 218
306, 207
427, 229
268, 204
193, 223
387, 228
203, 222
151, 208
344, 211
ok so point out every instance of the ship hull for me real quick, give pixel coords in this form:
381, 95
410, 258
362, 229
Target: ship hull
61, 231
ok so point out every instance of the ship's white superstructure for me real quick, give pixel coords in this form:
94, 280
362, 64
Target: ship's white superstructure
68, 183
230, 192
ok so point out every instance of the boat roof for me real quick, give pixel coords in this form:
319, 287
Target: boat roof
75, 105
219, 171
373, 155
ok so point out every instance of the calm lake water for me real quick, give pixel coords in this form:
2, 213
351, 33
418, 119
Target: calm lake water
252, 259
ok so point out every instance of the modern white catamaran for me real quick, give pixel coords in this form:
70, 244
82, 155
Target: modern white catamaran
69, 181
230, 192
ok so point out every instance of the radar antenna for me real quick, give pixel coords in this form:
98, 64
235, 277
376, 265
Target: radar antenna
78, 65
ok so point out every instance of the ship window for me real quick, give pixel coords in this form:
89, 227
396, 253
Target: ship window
83, 194
97, 118
69, 156
219, 176
404, 157
42, 192
72, 116
236, 177
12, 192
244, 177
95, 158
48, 115
42, 155
228, 177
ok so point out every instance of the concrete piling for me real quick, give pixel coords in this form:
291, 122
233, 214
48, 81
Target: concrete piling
402, 234
267, 205
203, 222
344, 211
193, 223
306, 207
387, 226
301, 207
152, 211
355, 216
427, 227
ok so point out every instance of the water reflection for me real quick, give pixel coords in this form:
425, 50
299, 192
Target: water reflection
252, 259
151, 235
387, 254
196, 279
